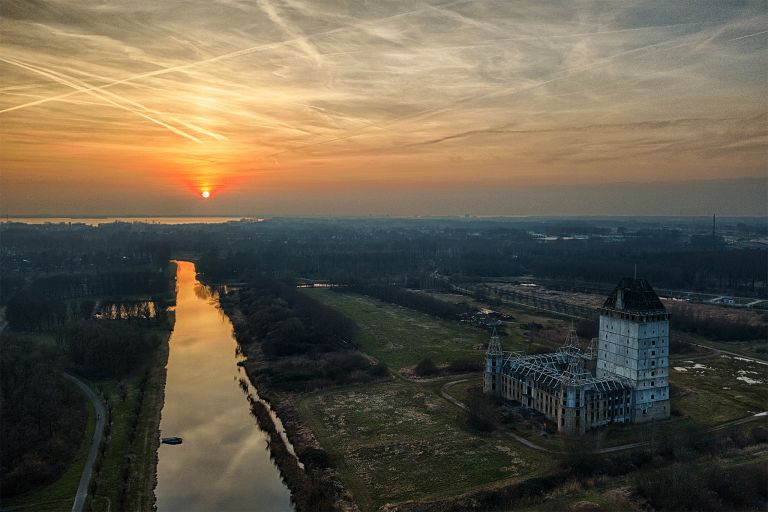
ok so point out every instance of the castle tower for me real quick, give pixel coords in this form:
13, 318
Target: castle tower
633, 344
494, 358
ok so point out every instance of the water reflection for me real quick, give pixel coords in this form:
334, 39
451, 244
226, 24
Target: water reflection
224, 463
124, 310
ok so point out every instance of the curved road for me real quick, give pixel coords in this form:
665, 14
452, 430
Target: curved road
98, 433
610, 449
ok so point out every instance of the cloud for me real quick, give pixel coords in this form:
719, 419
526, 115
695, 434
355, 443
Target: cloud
530, 92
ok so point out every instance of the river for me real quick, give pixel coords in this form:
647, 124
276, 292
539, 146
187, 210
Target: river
223, 463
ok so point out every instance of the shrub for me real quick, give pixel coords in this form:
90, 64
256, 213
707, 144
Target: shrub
760, 434
480, 413
315, 458
426, 367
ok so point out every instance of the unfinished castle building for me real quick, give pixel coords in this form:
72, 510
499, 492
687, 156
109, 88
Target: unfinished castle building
622, 377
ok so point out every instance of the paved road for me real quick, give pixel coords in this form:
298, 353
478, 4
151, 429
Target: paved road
444, 393
734, 354
98, 433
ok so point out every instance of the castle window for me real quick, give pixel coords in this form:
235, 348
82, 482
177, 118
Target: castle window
652, 397
653, 352
653, 363
653, 383
653, 342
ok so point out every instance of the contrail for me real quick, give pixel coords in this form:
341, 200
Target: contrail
514, 90
511, 91
748, 35
69, 80
301, 39
230, 55
101, 97
186, 124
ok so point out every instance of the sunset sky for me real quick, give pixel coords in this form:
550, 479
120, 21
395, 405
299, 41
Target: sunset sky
383, 107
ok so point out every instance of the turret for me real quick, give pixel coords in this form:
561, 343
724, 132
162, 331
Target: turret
494, 358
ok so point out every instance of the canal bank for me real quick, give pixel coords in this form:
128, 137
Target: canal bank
315, 486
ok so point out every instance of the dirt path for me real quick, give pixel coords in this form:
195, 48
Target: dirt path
718, 351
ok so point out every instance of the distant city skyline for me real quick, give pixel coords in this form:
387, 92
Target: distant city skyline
385, 108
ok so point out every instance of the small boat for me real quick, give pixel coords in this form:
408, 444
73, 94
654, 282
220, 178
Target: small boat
171, 440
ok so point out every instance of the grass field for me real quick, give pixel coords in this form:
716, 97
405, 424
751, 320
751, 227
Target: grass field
719, 389
401, 337
551, 335
401, 440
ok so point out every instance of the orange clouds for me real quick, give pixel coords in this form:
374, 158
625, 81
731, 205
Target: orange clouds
277, 97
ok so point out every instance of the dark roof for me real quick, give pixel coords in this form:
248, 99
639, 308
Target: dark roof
633, 295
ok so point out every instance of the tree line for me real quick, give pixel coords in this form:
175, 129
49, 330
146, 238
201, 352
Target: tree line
379, 256
107, 348
309, 345
720, 328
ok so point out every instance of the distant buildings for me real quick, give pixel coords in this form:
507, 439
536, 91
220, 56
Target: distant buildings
622, 376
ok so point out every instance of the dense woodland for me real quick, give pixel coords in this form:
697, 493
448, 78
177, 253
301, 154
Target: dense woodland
309, 344
71, 260
107, 348
43, 415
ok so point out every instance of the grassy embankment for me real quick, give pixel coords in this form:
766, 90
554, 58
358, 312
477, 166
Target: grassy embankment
401, 440
125, 453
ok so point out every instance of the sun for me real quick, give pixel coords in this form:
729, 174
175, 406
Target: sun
205, 194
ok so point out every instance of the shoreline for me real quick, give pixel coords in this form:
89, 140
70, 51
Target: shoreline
157, 380
145, 499
306, 485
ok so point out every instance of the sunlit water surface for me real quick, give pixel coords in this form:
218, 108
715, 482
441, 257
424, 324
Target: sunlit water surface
223, 463
96, 221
